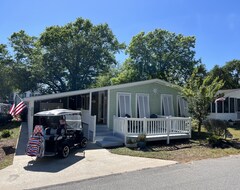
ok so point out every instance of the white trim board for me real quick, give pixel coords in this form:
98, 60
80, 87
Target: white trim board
78, 92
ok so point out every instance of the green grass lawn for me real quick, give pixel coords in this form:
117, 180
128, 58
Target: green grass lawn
7, 145
183, 150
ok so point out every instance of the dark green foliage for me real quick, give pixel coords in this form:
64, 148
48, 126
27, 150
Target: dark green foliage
6, 133
63, 58
162, 54
141, 138
229, 73
5, 118
6, 83
216, 127
214, 140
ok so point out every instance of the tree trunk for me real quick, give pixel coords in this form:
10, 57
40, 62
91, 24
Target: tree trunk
199, 127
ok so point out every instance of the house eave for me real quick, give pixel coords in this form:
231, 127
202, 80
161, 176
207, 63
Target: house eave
85, 91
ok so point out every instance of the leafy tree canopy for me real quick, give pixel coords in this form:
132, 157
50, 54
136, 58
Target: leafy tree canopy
164, 55
64, 58
233, 69
6, 86
229, 73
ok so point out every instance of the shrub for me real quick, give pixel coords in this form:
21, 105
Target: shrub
216, 141
5, 133
5, 118
141, 138
216, 126
131, 140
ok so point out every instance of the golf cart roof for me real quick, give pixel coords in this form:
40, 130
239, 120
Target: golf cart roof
57, 112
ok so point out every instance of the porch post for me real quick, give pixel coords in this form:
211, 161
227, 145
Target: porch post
108, 109
90, 103
30, 117
190, 127
125, 130
145, 126
215, 108
168, 129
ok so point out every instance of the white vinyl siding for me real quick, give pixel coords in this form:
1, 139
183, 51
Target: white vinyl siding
183, 107
124, 104
167, 105
143, 108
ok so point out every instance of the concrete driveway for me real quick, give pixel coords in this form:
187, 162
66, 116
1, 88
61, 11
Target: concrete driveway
26, 172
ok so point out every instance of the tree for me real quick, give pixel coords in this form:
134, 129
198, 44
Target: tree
24, 76
233, 70
77, 53
229, 73
6, 86
64, 58
224, 74
200, 92
164, 55
107, 79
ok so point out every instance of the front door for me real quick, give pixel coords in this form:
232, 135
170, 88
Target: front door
99, 106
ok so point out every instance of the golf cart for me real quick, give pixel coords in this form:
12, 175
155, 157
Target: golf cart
50, 138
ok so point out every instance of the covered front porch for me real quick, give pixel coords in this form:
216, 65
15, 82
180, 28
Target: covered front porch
165, 128
227, 108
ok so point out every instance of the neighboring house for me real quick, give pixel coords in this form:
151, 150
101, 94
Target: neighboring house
28, 94
127, 109
228, 109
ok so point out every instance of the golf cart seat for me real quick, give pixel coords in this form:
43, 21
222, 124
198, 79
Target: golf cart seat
53, 134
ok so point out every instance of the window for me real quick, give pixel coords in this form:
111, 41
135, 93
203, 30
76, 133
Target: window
220, 106
232, 110
238, 105
124, 104
182, 107
226, 108
167, 105
213, 107
143, 109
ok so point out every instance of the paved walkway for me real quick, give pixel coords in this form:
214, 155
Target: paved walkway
26, 173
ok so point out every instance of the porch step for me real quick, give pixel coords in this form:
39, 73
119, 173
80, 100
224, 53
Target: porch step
105, 133
109, 141
105, 137
102, 129
109, 138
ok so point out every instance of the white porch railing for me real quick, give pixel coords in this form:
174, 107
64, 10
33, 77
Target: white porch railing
90, 120
152, 126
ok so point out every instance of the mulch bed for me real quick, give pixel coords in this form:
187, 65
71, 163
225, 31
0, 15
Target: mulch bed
7, 147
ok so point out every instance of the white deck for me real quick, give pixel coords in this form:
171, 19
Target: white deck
163, 137
155, 128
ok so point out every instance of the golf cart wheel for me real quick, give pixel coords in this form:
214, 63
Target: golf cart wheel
65, 151
83, 142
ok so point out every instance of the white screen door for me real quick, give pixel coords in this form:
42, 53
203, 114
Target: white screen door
183, 107
167, 105
143, 108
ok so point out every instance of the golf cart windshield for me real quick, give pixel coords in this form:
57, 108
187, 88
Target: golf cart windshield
73, 117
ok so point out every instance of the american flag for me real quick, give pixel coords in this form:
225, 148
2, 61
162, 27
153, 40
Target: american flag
17, 107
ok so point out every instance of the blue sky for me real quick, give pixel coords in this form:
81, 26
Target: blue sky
215, 24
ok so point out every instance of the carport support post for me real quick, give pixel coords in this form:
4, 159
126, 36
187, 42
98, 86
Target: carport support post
90, 103
30, 117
